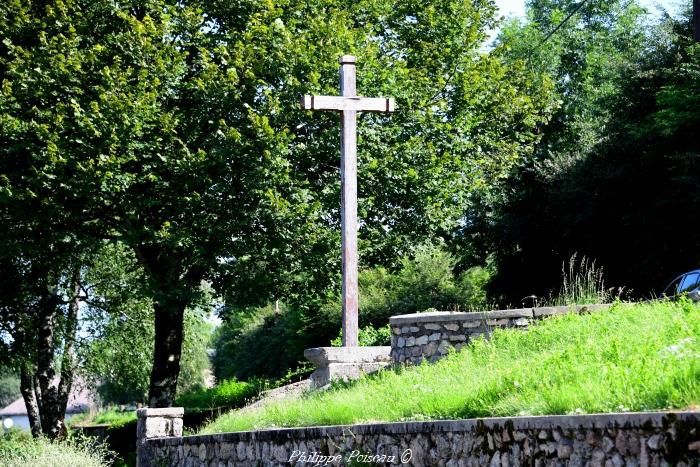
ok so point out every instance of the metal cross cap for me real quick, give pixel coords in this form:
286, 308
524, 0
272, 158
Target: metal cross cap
348, 104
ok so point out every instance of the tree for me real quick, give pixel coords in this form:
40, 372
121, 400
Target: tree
174, 127
621, 200
116, 351
38, 323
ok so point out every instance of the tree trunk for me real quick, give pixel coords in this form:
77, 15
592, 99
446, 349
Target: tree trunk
168, 322
49, 408
696, 20
26, 385
68, 361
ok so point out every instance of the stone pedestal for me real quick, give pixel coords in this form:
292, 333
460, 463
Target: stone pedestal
345, 363
155, 423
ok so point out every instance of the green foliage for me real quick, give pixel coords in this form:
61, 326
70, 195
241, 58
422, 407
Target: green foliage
117, 352
18, 449
426, 279
299, 373
226, 394
622, 194
249, 341
368, 336
268, 342
9, 387
629, 358
174, 128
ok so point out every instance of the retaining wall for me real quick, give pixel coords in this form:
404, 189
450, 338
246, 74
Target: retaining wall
429, 336
632, 439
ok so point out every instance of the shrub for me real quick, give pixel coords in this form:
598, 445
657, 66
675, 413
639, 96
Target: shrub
368, 336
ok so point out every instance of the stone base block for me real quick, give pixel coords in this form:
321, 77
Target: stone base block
345, 363
343, 371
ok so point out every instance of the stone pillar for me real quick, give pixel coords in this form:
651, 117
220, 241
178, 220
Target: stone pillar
155, 423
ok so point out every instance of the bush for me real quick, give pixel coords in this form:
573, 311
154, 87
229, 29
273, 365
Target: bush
368, 337
18, 448
268, 342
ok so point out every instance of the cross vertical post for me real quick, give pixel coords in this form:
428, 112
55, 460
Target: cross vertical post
348, 204
348, 104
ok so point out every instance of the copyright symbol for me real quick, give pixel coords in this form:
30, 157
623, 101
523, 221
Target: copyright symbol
406, 456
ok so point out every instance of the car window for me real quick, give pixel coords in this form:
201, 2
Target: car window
688, 281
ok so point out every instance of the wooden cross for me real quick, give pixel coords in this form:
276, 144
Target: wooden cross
348, 104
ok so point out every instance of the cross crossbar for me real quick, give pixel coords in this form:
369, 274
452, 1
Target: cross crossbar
340, 103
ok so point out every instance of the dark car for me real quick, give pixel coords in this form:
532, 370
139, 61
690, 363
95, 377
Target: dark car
687, 283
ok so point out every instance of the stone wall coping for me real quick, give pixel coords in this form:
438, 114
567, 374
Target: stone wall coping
166, 412
322, 356
594, 421
443, 316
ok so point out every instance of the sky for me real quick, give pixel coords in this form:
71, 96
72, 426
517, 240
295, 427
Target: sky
517, 7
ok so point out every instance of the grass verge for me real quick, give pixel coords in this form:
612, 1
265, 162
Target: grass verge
629, 358
112, 417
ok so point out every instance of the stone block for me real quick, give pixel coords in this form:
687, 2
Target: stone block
520, 322
430, 349
344, 371
321, 356
471, 324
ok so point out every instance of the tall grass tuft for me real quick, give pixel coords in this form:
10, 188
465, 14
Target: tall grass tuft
582, 283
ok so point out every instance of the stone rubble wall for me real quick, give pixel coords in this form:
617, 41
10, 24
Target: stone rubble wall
430, 336
632, 439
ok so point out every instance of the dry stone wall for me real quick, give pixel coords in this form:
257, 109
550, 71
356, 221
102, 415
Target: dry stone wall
430, 336
615, 440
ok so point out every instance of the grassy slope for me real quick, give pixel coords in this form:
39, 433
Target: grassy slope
630, 358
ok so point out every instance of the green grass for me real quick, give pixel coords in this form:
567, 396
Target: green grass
19, 449
110, 417
630, 358
231, 393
